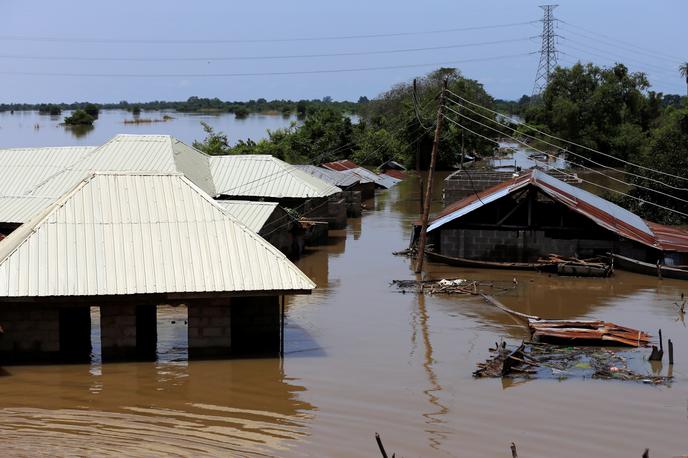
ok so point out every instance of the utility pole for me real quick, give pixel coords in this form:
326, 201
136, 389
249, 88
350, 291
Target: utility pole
420, 177
431, 175
548, 51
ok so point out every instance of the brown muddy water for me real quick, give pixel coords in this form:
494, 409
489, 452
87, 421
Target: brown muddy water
360, 358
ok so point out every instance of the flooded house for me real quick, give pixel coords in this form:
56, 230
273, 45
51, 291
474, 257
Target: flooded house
347, 166
465, 182
268, 220
32, 178
124, 243
353, 189
534, 214
260, 177
393, 169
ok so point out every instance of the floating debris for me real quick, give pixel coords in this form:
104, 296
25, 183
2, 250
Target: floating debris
541, 360
586, 332
451, 286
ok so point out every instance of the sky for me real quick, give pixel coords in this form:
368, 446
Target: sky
169, 50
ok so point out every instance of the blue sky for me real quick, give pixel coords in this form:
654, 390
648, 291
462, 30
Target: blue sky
645, 35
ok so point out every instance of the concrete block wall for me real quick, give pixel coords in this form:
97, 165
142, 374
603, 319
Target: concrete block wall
509, 245
210, 329
353, 203
331, 210
118, 331
31, 333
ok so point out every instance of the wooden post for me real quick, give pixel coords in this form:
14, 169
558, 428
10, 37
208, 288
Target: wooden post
671, 352
380, 446
431, 176
282, 326
420, 177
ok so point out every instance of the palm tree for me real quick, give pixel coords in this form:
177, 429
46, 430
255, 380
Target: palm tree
683, 69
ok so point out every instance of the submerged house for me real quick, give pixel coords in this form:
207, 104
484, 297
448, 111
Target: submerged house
268, 220
259, 177
125, 242
465, 182
353, 187
347, 166
393, 169
535, 214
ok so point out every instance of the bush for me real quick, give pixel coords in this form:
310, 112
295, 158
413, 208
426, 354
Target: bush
79, 118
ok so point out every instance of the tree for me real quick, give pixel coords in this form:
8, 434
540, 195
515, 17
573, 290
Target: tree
666, 151
597, 107
79, 118
214, 143
411, 123
683, 69
92, 110
241, 113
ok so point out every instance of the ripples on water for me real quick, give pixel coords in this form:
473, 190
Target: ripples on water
361, 358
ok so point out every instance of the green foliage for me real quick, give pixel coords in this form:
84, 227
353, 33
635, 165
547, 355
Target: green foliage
214, 143
92, 110
599, 108
241, 112
49, 109
79, 118
665, 151
395, 109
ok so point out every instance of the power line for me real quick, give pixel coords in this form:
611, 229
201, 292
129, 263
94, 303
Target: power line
568, 160
227, 75
568, 174
633, 45
578, 155
321, 156
570, 142
653, 67
570, 59
267, 57
632, 49
87, 40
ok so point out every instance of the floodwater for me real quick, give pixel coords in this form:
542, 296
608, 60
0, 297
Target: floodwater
29, 129
362, 358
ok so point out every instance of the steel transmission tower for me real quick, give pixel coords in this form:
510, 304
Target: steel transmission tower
548, 52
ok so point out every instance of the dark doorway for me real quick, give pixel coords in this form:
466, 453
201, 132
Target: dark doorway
75, 334
146, 332
255, 326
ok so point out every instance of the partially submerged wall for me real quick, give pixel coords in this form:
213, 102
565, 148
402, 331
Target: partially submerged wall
514, 245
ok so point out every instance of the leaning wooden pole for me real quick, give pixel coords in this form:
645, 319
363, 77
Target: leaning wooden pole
431, 175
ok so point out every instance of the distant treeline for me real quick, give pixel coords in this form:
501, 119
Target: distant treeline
200, 105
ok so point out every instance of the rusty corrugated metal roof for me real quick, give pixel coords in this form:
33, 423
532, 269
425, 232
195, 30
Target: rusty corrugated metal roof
340, 165
604, 213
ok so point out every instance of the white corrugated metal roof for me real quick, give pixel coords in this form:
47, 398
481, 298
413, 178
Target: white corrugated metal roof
333, 177
140, 233
47, 173
146, 153
21, 169
258, 175
366, 176
253, 214
17, 209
